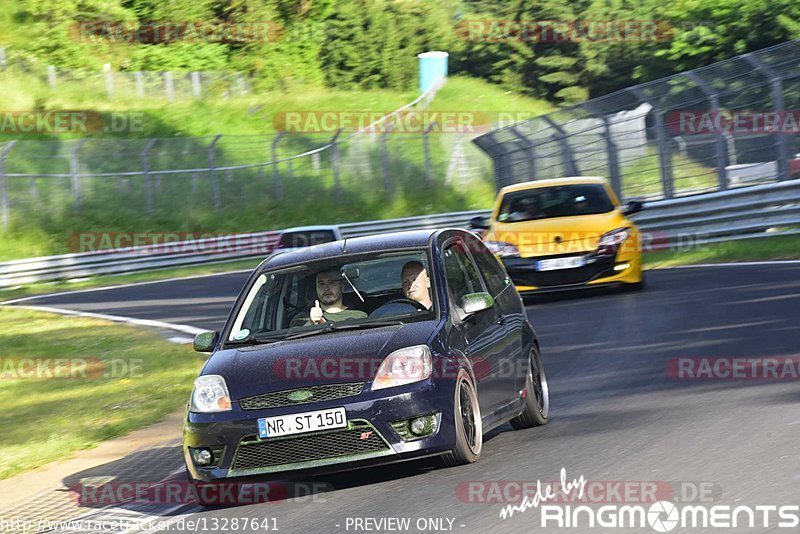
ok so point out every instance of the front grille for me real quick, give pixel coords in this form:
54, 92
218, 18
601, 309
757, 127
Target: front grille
523, 272
358, 439
279, 399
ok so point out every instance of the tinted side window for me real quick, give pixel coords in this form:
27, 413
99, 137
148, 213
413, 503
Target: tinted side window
493, 271
462, 278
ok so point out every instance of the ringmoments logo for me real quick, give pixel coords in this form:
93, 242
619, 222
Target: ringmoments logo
660, 516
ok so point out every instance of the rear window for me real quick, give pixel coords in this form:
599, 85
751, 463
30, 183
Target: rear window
305, 238
556, 201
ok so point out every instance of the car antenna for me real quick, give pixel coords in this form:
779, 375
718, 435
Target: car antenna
344, 246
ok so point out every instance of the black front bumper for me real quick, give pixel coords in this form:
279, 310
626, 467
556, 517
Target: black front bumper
524, 272
368, 439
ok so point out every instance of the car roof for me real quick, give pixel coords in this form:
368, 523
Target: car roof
313, 228
571, 180
355, 245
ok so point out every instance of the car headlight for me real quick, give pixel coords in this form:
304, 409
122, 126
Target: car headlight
502, 249
404, 366
210, 395
610, 241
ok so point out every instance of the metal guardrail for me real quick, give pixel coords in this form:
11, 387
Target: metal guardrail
720, 216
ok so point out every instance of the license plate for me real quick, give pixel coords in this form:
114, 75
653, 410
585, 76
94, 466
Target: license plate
297, 423
554, 264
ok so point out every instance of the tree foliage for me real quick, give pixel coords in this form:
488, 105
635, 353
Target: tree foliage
374, 43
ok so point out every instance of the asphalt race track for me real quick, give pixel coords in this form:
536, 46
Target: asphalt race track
617, 414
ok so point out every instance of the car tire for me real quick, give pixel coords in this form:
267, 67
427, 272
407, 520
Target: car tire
468, 425
536, 410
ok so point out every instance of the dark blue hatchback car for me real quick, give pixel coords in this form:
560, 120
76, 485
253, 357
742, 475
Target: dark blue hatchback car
369, 350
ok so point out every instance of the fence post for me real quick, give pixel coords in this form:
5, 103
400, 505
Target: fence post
569, 158
5, 202
169, 86
148, 188
212, 166
335, 164
240, 84
664, 148
138, 79
75, 173
530, 150
109, 80
428, 160
197, 89
615, 176
51, 76
387, 179
276, 173
720, 145
781, 136
730, 146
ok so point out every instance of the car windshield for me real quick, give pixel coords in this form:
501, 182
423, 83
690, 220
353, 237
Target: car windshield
556, 201
359, 291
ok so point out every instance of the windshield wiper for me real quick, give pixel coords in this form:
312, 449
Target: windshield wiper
331, 327
256, 340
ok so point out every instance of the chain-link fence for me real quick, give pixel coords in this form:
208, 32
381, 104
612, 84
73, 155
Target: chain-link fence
129, 85
733, 123
250, 181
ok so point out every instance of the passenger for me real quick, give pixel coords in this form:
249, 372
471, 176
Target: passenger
328, 307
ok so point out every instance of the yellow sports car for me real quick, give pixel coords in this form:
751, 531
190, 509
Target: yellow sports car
564, 234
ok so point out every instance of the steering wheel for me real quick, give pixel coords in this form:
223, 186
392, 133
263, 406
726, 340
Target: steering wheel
403, 300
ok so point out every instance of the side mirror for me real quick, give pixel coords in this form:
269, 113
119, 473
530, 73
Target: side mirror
205, 341
475, 302
479, 223
632, 206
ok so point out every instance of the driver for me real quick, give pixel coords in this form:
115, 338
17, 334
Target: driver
416, 284
328, 307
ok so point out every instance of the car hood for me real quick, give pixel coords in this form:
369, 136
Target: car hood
557, 235
331, 358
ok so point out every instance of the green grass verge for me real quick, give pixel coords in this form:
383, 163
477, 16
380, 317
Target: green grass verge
759, 249
119, 279
250, 196
48, 419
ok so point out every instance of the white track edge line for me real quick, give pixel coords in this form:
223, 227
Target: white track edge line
119, 286
192, 330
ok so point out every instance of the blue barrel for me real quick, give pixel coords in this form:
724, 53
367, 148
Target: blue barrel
432, 68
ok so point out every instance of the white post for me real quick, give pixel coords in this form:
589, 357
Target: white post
196, 87
51, 76
137, 76
109, 80
169, 87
